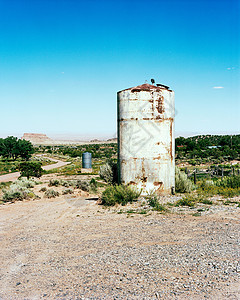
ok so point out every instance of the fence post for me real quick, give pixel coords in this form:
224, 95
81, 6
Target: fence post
195, 176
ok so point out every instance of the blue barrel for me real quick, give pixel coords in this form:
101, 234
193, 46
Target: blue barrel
87, 160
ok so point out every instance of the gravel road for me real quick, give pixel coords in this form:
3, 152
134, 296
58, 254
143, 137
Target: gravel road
14, 176
51, 249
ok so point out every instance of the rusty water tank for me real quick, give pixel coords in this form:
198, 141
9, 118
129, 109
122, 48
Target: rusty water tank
146, 149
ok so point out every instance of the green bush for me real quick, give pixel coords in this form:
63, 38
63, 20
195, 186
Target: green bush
228, 192
106, 173
68, 183
182, 183
24, 182
15, 193
119, 194
153, 201
83, 185
226, 187
19, 190
54, 182
93, 185
31, 169
43, 189
188, 200
229, 182
51, 194
206, 201
67, 191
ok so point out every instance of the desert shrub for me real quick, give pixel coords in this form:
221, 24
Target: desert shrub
43, 189
31, 195
231, 202
83, 185
19, 190
67, 183
93, 185
51, 193
182, 183
67, 191
188, 200
54, 182
229, 182
208, 190
223, 187
206, 201
24, 182
153, 201
119, 194
14, 193
4, 184
106, 173
228, 192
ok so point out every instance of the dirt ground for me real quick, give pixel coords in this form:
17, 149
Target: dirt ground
72, 248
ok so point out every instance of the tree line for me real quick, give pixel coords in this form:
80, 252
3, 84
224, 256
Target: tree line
208, 146
13, 148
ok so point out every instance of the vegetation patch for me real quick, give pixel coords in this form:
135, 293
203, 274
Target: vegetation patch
227, 187
153, 201
19, 190
54, 182
31, 169
119, 194
67, 191
182, 183
51, 193
188, 200
108, 172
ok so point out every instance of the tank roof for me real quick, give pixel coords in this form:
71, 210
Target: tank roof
146, 87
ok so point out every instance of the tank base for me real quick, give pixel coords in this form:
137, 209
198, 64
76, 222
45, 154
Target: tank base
86, 170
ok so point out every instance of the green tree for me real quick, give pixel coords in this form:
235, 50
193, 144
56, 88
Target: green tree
12, 147
9, 147
31, 169
24, 149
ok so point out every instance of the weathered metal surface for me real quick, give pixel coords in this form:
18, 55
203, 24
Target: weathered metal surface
87, 160
146, 138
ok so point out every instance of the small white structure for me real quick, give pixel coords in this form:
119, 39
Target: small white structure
146, 144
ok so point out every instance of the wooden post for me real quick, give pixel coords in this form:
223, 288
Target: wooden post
195, 176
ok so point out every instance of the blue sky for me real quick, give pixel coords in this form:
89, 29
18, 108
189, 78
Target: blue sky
62, 63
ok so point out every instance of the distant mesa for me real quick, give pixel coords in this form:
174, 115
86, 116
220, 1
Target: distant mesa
36, 138
113, 140
43, 139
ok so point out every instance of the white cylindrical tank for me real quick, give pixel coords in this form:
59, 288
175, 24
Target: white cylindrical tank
146, 144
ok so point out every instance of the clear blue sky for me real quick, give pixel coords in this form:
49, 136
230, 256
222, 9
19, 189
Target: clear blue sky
62, 62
